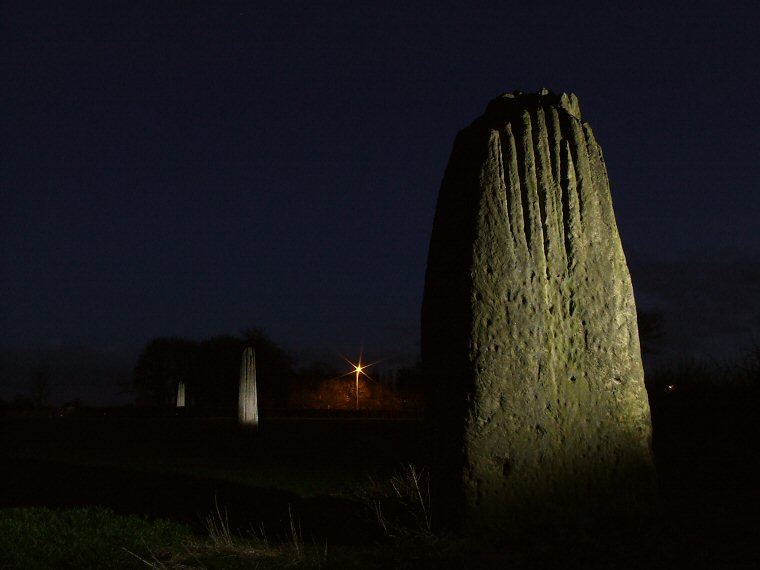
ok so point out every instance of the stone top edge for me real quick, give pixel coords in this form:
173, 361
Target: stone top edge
517, 100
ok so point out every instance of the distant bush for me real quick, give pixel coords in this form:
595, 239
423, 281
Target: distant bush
340, 394
748, 371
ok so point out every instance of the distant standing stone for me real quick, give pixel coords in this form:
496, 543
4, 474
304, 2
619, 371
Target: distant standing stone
180, 394
529, 336
248, 405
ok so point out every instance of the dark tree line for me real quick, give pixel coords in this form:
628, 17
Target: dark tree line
651, 330
210, 369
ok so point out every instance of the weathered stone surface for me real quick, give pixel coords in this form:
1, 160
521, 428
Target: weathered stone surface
248, 405
529, 337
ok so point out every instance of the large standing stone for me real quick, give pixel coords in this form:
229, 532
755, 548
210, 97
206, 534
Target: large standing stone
529, 336
248, 404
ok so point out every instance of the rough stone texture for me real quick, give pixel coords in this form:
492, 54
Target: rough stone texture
529, 336
248, 405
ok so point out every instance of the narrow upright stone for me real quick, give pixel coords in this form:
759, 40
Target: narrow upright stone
529, 336
181, 394
248, 406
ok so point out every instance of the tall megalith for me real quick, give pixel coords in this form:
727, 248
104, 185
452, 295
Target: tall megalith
248, 405
529, 339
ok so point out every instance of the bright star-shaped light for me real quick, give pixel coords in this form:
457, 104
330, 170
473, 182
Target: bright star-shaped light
358, 369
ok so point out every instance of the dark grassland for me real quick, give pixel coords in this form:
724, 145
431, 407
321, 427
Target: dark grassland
182, 491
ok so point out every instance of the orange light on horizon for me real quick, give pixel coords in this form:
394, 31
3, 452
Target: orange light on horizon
358, 369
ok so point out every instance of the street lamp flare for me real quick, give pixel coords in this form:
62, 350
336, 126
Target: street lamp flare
358, 370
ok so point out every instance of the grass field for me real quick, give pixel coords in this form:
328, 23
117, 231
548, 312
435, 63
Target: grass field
196, 492
179, 467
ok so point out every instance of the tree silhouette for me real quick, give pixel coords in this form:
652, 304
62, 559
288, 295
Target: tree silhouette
651, 330
162, 365
210, 369
40, 386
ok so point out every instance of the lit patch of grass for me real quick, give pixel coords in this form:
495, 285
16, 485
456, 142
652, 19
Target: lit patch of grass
222, 548
97, 538
41, 538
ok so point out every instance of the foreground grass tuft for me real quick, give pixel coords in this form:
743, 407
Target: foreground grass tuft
87, 538
38, 538
97, 538
223, 549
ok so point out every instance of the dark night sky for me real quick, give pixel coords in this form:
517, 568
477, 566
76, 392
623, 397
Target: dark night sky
194, 169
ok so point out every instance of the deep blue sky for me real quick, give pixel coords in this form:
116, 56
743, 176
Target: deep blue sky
194, 169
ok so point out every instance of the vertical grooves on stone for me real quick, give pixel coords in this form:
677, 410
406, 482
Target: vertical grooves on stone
553, 135
503, 191
544, 187
569, 204
582, 169
523, 371
519, 157
551, 240
514, 195
567, 155
553, 125
532, 205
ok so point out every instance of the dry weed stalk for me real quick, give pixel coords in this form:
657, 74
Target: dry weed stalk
408, 501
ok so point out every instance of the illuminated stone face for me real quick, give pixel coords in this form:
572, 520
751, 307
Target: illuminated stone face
248, 406
529, 335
